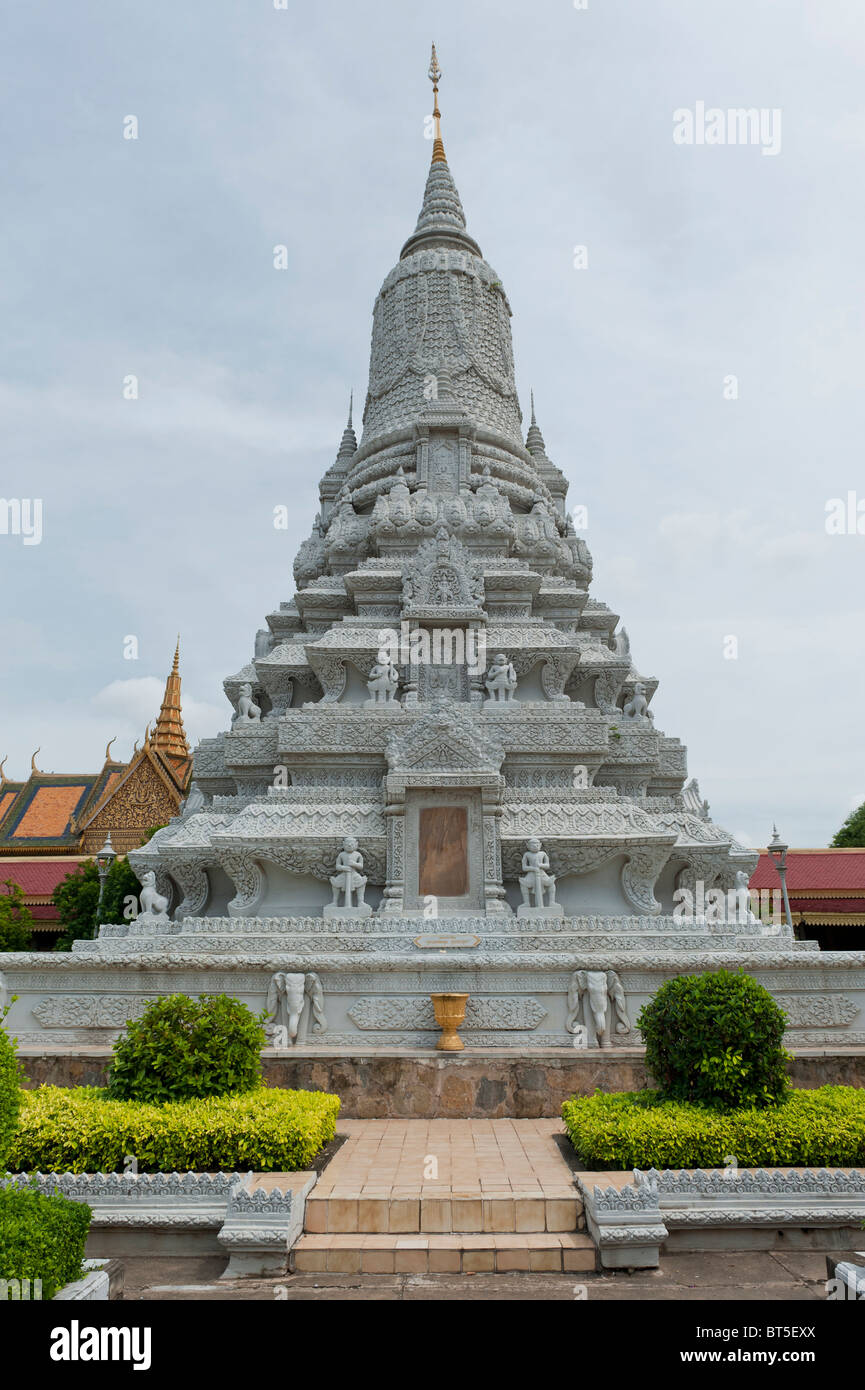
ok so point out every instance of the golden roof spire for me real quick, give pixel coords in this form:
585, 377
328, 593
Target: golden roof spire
438, 154
169, 736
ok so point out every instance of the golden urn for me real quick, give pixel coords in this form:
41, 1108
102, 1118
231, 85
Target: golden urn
450, 1011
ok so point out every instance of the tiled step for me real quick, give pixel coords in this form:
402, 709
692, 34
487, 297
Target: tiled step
504, 1252
552, 1211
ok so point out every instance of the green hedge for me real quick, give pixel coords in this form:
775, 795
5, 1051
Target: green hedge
81, 1130
636, 1129
42, 1237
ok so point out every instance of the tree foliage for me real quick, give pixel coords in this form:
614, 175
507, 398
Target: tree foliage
16, 921
852, 832
77, 900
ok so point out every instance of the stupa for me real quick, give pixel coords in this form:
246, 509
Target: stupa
442, 772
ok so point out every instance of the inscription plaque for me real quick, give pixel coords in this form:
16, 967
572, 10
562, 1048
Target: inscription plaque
443, 861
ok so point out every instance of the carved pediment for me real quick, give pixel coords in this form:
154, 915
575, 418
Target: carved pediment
443, 575
446, 739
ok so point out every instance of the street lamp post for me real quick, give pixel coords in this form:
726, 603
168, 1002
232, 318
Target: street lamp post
104, 859
778, 852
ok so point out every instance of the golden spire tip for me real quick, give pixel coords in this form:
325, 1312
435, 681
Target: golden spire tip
435, 72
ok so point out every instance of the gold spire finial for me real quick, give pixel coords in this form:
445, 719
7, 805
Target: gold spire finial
169, 736
438, 155
33, 767
108, 747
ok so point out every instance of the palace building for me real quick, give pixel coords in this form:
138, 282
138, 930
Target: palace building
52, 821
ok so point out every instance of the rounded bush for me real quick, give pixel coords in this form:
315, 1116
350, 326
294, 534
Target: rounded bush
11, 1095
716, 1039
182, 1049
42, 1237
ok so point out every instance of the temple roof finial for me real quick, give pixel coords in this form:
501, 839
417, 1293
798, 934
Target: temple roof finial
169, 736
438, 154
33, 768
350, 407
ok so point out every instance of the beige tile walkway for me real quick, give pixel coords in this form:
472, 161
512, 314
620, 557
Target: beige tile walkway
420, 1158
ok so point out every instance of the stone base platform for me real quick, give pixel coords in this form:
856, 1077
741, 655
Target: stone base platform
254, 1218
635, 1218
382, 1083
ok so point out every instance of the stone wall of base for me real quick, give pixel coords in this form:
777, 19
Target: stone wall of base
491, 1083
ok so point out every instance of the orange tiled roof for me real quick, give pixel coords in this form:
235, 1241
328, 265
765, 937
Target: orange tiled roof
6, 799
49, 811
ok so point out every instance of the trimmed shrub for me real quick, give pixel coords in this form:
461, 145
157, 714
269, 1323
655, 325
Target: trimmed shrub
82, 1130
716, 1038
182, 1048
42, 1237
11, 1094
639, 1129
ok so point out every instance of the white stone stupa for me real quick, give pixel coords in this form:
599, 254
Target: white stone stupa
442, 772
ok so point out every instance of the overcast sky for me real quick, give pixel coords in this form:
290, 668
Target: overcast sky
304, 127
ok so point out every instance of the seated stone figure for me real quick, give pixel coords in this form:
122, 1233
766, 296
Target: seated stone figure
154, 907
537, 884
638, 706
501, 679
383, 680
743, 911
248, 712
348, 881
